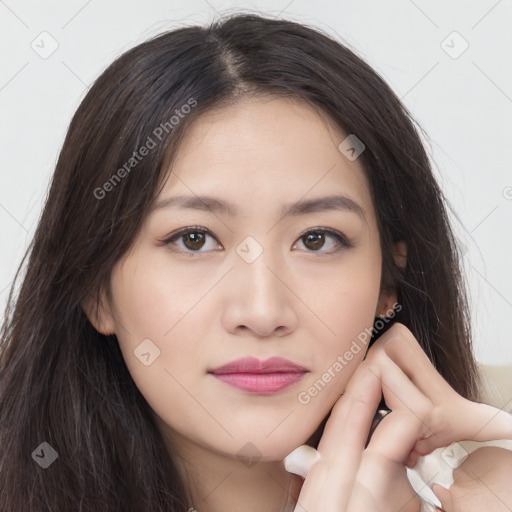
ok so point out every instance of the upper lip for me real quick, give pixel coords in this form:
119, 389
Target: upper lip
254, 365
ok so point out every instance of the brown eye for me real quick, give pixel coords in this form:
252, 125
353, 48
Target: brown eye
314, 241
193, 240
325, 241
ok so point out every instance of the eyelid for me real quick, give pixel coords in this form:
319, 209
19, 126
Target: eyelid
343, 241
180, 232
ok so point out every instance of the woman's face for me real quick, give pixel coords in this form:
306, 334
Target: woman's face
250, 281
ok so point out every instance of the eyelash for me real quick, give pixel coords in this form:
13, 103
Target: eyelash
343, 242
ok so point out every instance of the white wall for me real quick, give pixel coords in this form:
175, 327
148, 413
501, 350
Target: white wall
464, 104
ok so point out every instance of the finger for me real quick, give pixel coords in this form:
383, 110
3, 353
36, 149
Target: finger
482, 422
329, 483
390, 487
382, 463
487, 423
352, 415
395, 436
412, 458
402, 347
399, 391
444, 496
468, 420
399, 431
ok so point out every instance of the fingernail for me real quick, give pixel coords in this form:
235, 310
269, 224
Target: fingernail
301, 460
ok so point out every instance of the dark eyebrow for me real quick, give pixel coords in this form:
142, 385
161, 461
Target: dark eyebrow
303, 207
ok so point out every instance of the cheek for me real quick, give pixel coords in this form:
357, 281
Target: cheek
153, 298
153, 312
345, 297
345, 303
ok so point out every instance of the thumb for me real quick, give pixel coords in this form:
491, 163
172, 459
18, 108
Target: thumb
444, 496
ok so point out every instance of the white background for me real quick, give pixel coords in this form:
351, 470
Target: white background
464, 104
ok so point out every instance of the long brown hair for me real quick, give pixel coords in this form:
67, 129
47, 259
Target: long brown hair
64, 383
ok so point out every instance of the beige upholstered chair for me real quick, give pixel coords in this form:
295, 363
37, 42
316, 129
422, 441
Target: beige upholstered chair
497, 386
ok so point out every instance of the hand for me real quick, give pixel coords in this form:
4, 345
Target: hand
446, 416
426, 413
349, 478
344, 476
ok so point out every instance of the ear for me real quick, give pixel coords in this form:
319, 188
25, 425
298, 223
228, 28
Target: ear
388, 297
99, 313
400, 253
386, 300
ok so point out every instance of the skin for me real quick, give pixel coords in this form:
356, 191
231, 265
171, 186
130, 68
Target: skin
482, 482
213, 306
427, 414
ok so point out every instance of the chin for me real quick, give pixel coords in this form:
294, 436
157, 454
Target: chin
273, 449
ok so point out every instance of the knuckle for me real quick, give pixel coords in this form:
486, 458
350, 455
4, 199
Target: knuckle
371, 365
427, 416
399, 336
425, 412
401, 331
376, 359
438, 419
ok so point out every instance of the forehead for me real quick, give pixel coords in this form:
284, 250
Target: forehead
265, 151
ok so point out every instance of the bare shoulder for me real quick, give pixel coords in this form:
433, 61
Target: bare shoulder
485, 460
483, 480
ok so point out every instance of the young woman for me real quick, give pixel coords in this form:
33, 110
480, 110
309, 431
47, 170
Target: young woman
238, 212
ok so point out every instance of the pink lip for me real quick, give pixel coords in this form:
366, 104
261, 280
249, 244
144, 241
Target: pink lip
264, 377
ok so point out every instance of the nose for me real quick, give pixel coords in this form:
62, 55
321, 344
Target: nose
260, 300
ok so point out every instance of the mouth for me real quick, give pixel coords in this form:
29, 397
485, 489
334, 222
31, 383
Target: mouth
261, 377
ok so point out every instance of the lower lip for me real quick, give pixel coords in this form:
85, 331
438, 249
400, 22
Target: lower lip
263, 383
